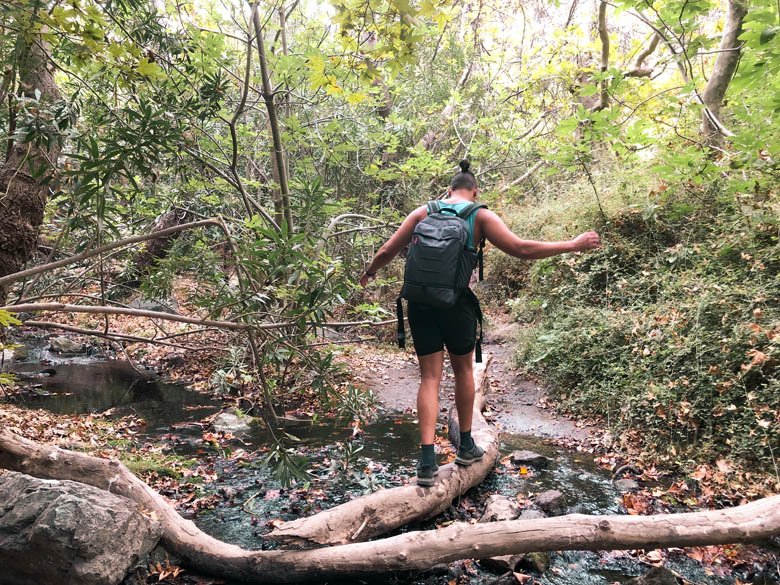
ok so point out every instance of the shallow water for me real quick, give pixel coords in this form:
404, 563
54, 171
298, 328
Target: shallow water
252, 498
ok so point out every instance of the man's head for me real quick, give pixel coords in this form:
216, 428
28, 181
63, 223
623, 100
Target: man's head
464, 179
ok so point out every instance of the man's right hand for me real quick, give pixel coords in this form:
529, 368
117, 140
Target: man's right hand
586, 241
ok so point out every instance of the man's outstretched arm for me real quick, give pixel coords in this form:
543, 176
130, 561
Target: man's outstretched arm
395, 244
501, 237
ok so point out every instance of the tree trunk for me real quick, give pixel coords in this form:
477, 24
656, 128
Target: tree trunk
413, 550
30, 165
156, 248
604, 37
725, 66
273, 120
386, 510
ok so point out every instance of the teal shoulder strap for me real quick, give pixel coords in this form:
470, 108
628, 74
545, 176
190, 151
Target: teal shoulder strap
470, 208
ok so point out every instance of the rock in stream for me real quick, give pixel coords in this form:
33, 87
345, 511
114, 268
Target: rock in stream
68, 533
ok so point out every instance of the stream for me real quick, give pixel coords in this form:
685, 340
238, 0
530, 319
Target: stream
247, 498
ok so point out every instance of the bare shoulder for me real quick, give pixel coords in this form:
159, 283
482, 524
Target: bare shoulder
484, 215
418, 214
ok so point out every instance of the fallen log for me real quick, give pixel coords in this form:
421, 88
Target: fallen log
410, 551
385, 510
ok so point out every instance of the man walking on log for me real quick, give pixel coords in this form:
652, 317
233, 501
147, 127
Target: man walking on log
445, 316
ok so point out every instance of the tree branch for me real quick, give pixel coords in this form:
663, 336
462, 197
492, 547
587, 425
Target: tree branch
95, 251
99, 310
114, 336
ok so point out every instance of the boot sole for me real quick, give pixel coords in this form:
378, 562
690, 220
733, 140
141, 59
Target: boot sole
467, 462
428, 481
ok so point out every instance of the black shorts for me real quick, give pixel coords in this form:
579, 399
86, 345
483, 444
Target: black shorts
433, 329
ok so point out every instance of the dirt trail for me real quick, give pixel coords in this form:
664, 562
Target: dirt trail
514, 400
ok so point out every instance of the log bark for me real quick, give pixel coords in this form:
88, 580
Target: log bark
723, 70
413, 550
30, 166
385, 510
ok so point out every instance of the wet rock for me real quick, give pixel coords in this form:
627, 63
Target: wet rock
500, 508
537, 562
501, 564
440, 569
655, 576
176, 360
21, 353
625, 485
530, 458
228, 492
6, 357
66, 346
230, 422
164, 306
532, 514
552, 501
68, 533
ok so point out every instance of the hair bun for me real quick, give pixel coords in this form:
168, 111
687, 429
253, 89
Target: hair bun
464, 166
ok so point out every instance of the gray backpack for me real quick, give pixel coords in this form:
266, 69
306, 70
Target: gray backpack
440, 263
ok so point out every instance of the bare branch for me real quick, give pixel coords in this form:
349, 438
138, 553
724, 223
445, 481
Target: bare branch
114, 336
523, 177
95, 251
604, 36
100, 310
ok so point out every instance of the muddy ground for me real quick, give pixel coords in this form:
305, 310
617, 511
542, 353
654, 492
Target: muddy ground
515, 402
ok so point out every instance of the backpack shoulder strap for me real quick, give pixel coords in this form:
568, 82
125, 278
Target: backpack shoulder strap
464, 214
433, 207
469, 209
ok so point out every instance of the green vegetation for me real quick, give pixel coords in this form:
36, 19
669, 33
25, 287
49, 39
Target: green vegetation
145, 464
672, 330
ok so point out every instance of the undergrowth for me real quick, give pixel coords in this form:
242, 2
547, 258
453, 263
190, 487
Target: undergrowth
672, 329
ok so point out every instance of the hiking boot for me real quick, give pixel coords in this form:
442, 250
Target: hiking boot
426, 473
468, 456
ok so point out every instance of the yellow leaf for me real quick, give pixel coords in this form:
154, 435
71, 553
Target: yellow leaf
356, 98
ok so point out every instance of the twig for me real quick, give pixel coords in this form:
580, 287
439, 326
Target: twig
595, 191
362, 526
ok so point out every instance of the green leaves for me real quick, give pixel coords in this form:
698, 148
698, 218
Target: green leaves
7, 319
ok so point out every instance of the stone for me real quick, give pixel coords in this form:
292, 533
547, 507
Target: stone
230, 422
530, 458
552, 501
655, 576
500, 508
158, 306
69, 533
66, 346
531, 514
537, 562
21, 353
501, 564
625, 485
6, 357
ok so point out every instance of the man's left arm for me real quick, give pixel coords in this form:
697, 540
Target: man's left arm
395, 244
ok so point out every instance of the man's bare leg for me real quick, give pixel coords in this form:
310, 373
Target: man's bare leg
428, 394
464, 389
427, 413
468, 452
